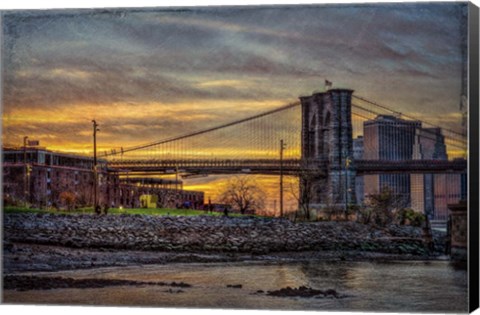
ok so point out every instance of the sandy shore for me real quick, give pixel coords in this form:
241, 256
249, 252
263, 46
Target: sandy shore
22, 257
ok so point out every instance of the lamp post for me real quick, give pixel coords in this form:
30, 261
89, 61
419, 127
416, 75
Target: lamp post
282, 147
25, 177
347, 164
95, 175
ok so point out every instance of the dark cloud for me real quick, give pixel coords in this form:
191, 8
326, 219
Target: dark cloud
395, 53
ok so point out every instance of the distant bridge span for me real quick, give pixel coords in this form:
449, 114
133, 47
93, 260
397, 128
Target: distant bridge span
273, 166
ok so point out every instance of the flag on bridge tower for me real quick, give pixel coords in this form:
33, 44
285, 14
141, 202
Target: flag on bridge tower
327, 84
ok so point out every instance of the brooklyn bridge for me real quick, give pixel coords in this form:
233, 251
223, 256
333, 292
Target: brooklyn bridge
317, 134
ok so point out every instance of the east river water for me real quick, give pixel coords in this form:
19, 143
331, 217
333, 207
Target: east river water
408, 286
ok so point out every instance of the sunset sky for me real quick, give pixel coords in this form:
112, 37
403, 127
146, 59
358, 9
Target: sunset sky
148, 74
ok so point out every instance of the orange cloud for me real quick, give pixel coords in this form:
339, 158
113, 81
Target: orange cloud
119, 122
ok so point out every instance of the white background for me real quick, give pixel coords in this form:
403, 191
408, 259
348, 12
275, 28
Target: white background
58, 4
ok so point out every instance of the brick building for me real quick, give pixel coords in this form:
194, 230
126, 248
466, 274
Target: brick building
170, 193
47, 176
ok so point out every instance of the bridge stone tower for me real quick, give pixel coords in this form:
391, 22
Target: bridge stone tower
327, 154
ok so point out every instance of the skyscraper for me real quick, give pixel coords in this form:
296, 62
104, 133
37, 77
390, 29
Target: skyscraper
389, 138
429, 144
431, 193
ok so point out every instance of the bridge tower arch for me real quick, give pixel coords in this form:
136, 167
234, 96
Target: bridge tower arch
327, 149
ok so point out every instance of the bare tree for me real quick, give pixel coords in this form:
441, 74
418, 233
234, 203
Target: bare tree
382, 207
243, 194
303, 189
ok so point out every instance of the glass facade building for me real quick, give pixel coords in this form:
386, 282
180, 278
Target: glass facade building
392, 139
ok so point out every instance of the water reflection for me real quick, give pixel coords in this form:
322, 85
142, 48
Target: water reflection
370, 286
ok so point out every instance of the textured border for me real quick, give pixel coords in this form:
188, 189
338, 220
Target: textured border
473, 255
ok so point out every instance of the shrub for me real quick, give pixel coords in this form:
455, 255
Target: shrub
68, 199
411, 217
382, 207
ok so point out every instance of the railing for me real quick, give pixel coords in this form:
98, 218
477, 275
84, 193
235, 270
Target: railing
273, 165
266, 166
409, 166
288, 165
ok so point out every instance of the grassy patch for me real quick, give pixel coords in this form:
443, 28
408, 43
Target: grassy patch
15, 209
142, 211
161, 211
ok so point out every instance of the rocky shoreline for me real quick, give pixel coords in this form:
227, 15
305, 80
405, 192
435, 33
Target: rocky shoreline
45, 242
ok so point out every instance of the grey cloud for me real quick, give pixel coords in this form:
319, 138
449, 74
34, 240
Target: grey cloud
135, 56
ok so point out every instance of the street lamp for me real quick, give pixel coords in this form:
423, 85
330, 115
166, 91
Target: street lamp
347, 164
282, 147
95, 175
25, 178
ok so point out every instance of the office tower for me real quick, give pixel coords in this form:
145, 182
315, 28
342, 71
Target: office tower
389, 138
431, 193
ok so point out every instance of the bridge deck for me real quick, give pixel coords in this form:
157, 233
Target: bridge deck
290, 166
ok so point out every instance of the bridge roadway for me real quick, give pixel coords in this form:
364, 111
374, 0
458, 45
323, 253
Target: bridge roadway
272, 166
207, 166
